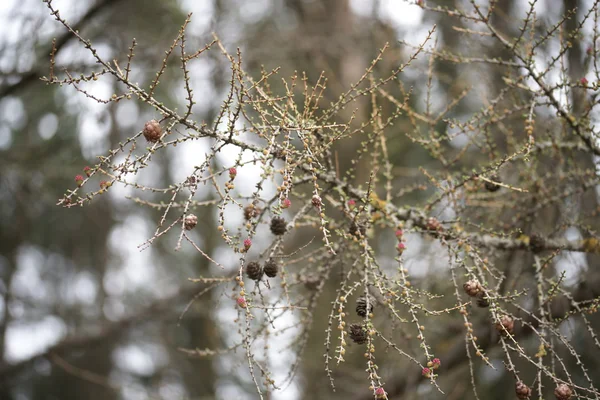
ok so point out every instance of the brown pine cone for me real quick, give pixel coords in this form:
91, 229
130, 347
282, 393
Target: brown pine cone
482, 300
536, 242
311, 282
251, 211
361, 305
271, 268
492, 187
522, 390
254, 270
472, 288
563, 392
152, 130
190, 221
355, 228
278, 226
357, 334
506, 324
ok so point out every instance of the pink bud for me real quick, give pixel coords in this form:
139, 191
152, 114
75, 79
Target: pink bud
247, 244
399, 233
401, 247
584, 81
589, 50
379, 392
87, 170
436, 363
286, 203
232, 172
78, 180
426, 372
241, 302
351, 203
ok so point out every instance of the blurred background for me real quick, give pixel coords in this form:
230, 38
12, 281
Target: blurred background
84, 312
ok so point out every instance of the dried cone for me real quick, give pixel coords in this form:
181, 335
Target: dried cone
254, 271
357, 334
311, 282
251, 211
271, 268
190, 221
482, 300
361, 305
278, 226
492, 187
152, 130
355, 228
563, 392
506, 324
536, 242
522, 390
472, 288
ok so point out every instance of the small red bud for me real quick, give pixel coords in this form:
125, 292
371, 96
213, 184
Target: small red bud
584, 81
286, 203
436, 363
87, 170
232, 172
351, 203
241, 302
399, 233
426, 372
79, 180
247, 244
380, 393
401, 247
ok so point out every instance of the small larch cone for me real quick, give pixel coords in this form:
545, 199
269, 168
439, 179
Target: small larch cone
482, 300
563, 392
492, 187
271, 268
536, 242
357, 334
254, 271
522, 390
506, 324
152, 130
190, 221
472, 288
311, 282
361, 305
357, 229
251, 211
278, 226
